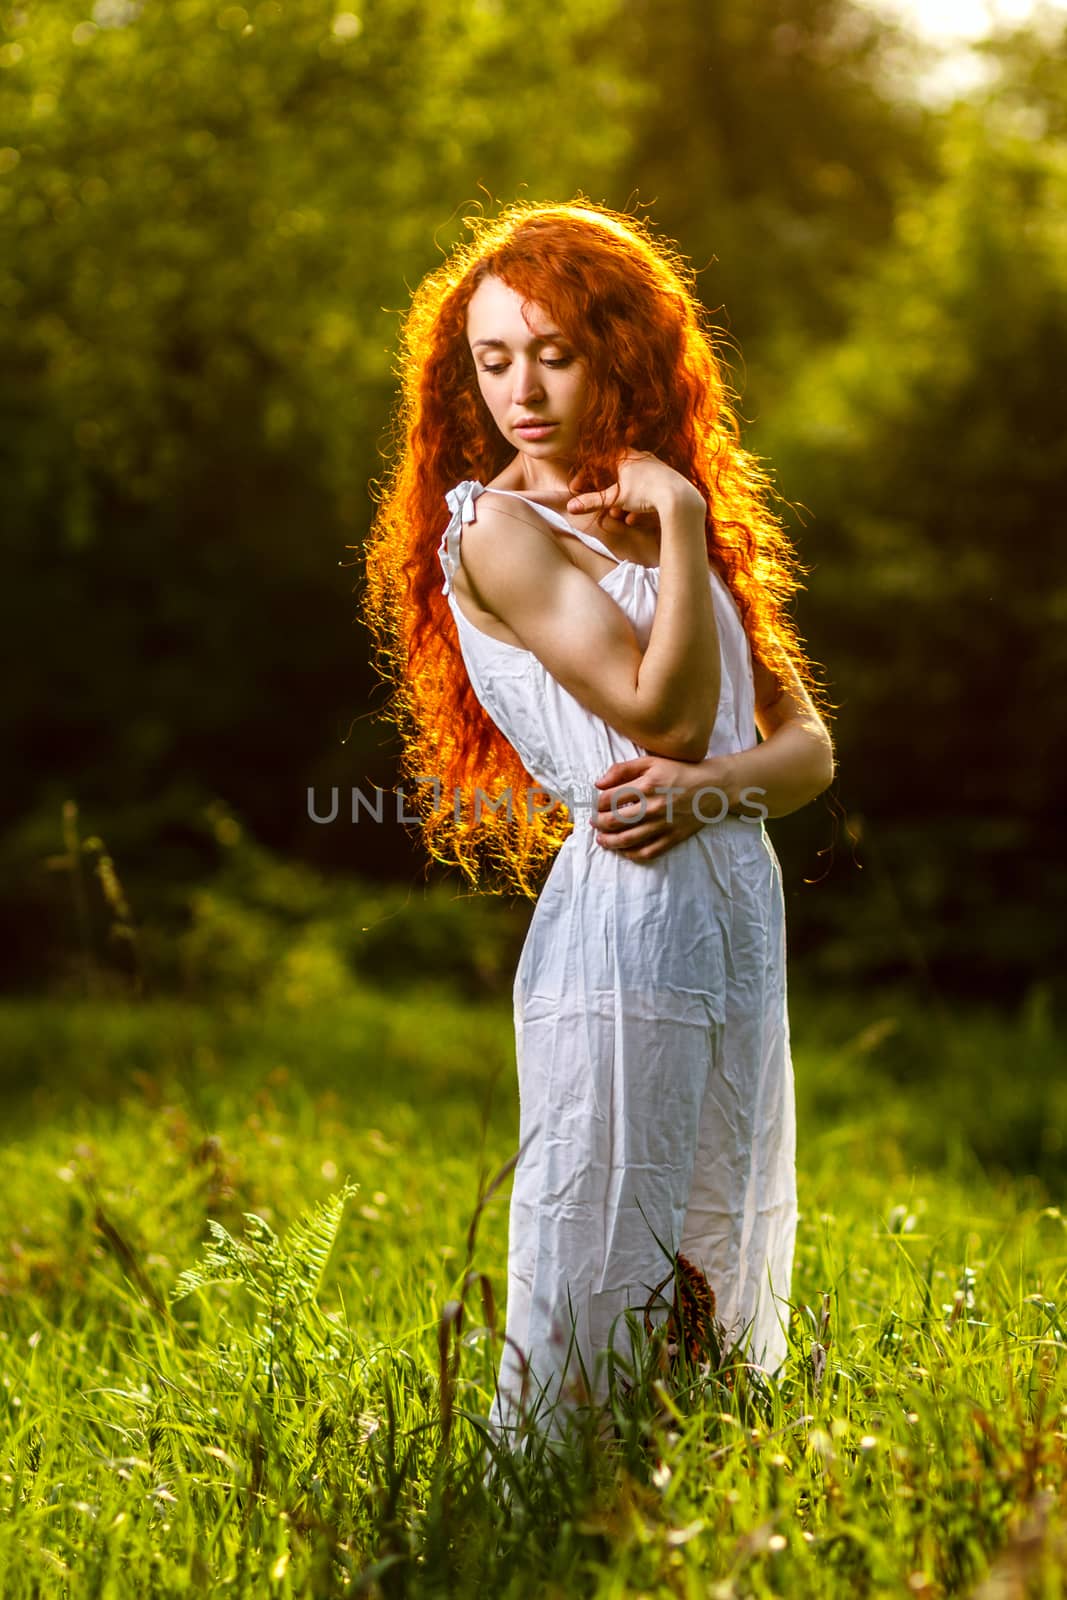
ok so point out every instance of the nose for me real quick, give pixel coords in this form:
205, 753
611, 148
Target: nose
526, 382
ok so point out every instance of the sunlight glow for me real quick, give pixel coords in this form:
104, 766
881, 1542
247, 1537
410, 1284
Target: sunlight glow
951, 27
950, 21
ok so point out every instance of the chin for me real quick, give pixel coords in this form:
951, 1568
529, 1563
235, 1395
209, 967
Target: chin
549, 448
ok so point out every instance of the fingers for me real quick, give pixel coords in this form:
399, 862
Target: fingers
622, 771
626, 813
596, 500
621, 821
626, 519
637, 844
608, 501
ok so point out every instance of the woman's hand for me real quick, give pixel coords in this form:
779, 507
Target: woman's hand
644, 487
666, 819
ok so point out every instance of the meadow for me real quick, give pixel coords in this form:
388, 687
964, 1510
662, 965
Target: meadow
253, 1221
237, 1237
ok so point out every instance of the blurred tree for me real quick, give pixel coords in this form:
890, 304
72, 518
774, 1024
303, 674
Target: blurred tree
1028, 88
774, 148
933, 442
208, 214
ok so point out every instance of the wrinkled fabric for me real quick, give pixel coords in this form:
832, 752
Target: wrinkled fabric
656, 1099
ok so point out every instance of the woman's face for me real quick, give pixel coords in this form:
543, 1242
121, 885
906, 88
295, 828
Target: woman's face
527, 372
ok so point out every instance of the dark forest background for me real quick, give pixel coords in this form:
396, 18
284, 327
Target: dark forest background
211, 217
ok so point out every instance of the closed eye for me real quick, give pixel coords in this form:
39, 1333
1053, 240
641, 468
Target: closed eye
563, 361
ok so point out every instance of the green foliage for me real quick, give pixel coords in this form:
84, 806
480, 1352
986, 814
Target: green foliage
272, 1272
165, 1440
283, 932
930, 442
289, 1338
210, 217
777, 143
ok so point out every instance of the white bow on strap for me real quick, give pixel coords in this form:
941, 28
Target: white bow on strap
461, 504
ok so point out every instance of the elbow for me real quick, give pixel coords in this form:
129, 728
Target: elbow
691, 738
684, 742
826, 769
680, 731
693, 748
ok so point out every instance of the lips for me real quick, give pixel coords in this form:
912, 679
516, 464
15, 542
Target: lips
531, 427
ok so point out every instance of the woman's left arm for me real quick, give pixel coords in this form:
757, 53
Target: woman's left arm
793, 764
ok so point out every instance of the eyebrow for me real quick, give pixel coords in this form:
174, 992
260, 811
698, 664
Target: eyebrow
502, 344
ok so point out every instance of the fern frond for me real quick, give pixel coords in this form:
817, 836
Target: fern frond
310, 1239
270, 1270
227, 1260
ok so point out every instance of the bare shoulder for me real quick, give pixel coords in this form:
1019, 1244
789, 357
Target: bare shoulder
508, 545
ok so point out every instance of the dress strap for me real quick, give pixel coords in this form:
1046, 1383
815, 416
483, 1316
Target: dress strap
461, 502
560, 520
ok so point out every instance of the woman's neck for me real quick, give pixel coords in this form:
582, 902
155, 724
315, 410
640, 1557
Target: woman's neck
535, 475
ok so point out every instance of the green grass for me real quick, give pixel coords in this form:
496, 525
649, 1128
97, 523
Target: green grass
311, 1429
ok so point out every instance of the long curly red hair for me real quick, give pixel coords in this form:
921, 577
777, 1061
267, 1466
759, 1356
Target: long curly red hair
627, 302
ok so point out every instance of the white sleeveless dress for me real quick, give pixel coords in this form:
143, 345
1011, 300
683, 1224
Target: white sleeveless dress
655, 1079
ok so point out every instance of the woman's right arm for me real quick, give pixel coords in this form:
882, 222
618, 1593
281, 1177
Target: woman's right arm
681, 663
664, 698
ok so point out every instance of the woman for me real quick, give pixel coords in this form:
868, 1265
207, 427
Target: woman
558, 378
